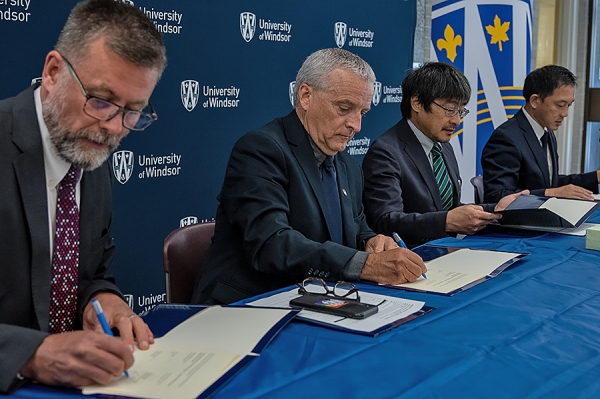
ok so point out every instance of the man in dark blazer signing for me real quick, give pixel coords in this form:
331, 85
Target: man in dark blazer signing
55, 203
522, 152
290, 206
412, 181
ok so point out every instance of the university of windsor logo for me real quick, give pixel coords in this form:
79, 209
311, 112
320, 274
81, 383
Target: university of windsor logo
376, 93
188, 221
122, 165
190, 91
341, 29
247, 25
291, 91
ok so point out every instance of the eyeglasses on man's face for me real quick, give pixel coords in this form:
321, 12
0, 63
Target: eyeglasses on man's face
453, 112
104, 110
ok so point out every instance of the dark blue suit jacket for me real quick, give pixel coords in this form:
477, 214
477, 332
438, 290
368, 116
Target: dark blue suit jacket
513, 160
401, 193
270, 228
24, 242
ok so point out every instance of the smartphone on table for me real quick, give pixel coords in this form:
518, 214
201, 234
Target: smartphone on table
335, 306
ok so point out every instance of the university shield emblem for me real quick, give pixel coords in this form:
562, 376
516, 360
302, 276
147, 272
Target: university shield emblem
190, 90
129, 299
247, 25
292, 85
187, 221
376, 93
122, 165
340, 34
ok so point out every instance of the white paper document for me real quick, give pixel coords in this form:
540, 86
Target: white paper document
571, 231
191, 357
390, 309
570, 210
458, 269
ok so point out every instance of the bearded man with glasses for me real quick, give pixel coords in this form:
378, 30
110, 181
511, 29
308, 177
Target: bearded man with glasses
412, 181
55, 206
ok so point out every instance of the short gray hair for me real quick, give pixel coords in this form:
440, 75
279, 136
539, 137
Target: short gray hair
316, 69
127, 31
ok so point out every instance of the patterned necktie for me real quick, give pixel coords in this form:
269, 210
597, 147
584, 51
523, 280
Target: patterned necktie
65, 260
333, 211
441, 176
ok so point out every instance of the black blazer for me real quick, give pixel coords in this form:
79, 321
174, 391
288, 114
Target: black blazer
513, 160
270, 228
401, 194
24, 242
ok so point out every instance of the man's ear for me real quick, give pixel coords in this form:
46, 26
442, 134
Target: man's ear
415, 104
51, 71
534, 101
305, 93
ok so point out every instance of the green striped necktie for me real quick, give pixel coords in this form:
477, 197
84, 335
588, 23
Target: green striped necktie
441, 176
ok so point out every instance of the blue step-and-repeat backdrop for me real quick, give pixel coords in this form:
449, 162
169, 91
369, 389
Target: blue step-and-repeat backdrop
231, 68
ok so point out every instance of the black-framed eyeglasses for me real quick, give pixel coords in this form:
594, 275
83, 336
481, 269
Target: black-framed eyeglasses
104, 110
341, 289
453, 112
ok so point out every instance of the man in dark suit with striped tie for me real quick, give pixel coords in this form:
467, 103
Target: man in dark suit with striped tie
522, 152
412, 181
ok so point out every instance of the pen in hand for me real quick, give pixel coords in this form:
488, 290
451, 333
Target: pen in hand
401, 244
103, 322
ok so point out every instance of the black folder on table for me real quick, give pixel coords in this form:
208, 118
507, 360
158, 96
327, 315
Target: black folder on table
527, 210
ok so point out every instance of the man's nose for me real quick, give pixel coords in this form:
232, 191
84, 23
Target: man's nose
354, 121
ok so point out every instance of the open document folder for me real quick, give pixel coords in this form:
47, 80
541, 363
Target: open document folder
198, 356
451, 270
392, 312
535, 211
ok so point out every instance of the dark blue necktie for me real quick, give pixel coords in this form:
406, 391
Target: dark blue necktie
333, 211
544, 140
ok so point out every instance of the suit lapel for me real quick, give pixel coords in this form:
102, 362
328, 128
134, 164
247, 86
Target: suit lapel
302, 150
414, 151
30, 172
534, 145
300, 146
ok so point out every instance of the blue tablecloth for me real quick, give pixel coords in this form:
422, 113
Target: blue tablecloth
531, 332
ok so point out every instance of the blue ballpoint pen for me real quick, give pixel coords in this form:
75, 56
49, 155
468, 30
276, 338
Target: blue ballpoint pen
103, 322
401, 243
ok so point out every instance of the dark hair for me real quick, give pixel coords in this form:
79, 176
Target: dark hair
431, 81
543, 81
127, 31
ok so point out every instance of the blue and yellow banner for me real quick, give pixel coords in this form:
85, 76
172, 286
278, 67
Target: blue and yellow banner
490, 41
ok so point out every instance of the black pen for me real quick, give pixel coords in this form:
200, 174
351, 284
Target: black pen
401, 243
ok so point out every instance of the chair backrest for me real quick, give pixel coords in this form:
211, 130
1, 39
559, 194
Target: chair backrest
183, 255
477, 183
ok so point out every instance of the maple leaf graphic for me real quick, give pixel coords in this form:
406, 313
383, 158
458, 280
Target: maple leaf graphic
498, 32
449, 43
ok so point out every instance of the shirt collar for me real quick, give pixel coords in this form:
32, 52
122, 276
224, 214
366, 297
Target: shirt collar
319, 155
537, 128
425, 141
56, 167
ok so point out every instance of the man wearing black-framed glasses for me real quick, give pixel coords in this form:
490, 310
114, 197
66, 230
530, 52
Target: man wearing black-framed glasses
55, 207
412, 181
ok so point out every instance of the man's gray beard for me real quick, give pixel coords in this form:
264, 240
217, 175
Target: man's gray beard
69, 145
